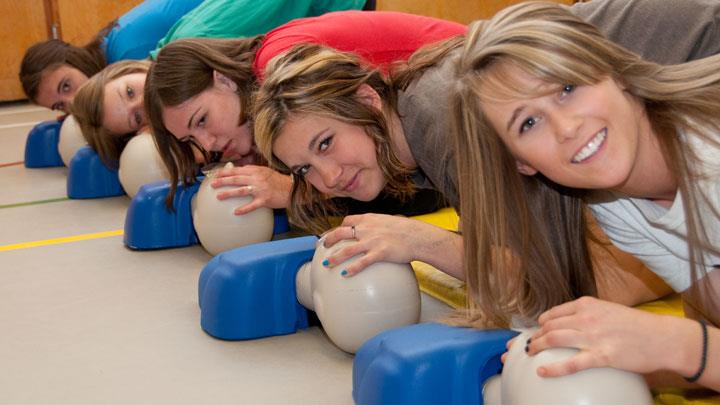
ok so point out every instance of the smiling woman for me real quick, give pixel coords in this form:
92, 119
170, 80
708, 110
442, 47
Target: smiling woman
552, 120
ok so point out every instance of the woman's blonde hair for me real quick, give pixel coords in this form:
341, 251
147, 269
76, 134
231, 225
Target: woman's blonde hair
312, 79
88, 108
184, 69
540, 222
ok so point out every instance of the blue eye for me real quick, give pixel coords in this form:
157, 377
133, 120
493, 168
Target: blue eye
527, 125
567, 89
130, 92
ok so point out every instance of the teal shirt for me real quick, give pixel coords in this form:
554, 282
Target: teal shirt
245, 18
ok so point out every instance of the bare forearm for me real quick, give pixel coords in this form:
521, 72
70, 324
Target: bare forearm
443, 250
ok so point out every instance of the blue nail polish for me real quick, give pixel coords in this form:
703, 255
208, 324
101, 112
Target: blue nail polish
326, 262
343, 273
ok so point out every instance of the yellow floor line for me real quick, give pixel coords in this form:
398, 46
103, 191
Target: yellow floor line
57, 241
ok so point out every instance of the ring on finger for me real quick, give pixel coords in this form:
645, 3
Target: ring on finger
249, 189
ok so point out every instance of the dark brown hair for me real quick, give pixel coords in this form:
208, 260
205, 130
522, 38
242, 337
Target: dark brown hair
48, 55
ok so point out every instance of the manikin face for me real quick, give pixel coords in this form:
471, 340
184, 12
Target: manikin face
338, 159
123, 106
212, 120
58, 87
578, 136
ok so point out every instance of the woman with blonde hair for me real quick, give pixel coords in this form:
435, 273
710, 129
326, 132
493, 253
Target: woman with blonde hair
109, 108
551, 118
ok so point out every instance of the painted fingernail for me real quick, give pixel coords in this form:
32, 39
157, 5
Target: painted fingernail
528, 341
527, 348
326, 262
344, 273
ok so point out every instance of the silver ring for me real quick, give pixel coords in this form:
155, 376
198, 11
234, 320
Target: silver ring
353, 231
249, 189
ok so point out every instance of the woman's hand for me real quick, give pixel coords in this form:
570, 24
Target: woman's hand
394, 239
611, 335
267, 187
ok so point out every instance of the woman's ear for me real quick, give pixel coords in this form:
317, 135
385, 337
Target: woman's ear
369, 96
223, 82
525, 168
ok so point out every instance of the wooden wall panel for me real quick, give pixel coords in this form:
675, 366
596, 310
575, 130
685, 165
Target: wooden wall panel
22, 23
463, 11
81, 20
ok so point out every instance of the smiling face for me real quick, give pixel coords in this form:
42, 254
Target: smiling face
58, 86
213, 120
578, 136
338, 159
123, 109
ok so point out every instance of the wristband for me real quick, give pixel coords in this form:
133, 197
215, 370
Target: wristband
703, 359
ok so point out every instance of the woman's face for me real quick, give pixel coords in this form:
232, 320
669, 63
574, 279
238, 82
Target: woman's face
578, 136
213, 119
58, 87
123, 108
337, 158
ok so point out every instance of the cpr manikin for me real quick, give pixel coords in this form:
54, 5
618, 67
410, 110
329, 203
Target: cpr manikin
216, 225
519, 383
71, 140
140, 164
354, 309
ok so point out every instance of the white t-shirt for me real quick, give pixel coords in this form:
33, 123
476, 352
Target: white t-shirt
656, 235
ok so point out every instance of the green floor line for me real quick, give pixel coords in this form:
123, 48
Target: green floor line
22, 204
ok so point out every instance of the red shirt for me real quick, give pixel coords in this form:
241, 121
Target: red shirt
380, 37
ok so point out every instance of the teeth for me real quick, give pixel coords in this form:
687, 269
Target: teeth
591, 147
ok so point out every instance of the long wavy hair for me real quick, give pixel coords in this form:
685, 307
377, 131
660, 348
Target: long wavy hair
184, 69
529, 229
312, 79
88, 109
49, 55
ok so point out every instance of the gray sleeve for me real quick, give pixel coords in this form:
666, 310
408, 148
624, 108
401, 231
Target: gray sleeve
663, 31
